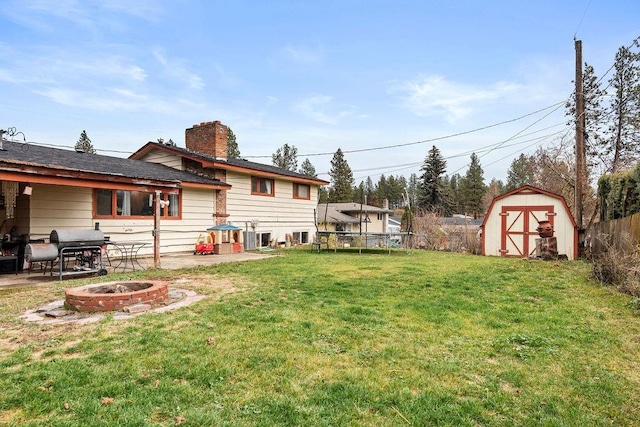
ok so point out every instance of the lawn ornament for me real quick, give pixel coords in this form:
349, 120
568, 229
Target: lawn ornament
204, 244
545, 229
546, 245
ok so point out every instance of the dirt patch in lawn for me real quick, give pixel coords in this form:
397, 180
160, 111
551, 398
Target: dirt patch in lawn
16, 305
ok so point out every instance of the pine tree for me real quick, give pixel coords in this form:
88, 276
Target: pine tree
286, 157
521, 172
308, 169
232, 145
342, 181
84, 144
625, 109
432, 195
473, 189
594, 118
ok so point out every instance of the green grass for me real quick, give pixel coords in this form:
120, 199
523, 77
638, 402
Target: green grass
334, 339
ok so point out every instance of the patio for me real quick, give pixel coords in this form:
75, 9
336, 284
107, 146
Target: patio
168, 262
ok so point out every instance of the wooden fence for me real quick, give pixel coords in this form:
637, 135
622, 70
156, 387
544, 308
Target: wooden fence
623, 234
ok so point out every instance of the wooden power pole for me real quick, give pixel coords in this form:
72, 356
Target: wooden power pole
581, 169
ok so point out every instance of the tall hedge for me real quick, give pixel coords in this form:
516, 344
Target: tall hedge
619, 194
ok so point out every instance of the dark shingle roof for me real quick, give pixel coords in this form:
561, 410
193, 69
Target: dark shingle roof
59, 159
242, 163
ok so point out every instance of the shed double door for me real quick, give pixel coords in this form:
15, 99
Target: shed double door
518, 231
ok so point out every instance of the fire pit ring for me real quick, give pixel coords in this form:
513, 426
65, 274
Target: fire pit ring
115, 296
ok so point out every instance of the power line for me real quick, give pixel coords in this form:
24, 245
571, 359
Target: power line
581, 19
405, 166
386, 147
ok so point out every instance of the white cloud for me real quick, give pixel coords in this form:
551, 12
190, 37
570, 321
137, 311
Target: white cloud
111, 100
434, 95
303, 55
176, 69
316, 108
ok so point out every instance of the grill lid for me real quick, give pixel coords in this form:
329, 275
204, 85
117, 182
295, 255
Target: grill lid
79, 238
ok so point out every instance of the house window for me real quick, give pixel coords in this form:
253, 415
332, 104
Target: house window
262, 186
301, 191
380, 216
125, 204
301, 237
263, 240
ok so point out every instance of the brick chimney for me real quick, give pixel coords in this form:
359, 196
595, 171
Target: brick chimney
208, 138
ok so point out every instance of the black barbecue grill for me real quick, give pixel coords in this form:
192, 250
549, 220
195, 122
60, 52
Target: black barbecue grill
83, 247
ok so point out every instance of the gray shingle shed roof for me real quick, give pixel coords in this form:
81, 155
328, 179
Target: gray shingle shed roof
31, 155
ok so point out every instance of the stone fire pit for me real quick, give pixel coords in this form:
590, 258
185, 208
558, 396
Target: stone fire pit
115, 296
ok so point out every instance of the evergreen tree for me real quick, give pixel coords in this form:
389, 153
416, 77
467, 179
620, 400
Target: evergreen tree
473, 188
625, 109
232, 145
594, 119
341, 179
370, 190
323, 195
455, 195
308, 169
432, 195
286, 157
382, 191
84, 144
397, 188
521, 172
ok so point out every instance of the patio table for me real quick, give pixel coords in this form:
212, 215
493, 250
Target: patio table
129, 252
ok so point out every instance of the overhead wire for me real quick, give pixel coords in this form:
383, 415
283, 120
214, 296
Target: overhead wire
439, 138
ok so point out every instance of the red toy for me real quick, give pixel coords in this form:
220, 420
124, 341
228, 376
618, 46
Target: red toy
204, 244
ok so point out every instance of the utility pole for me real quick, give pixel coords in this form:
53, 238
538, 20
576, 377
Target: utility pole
581, 169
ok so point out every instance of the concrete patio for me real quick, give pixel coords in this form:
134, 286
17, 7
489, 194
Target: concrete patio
168, 262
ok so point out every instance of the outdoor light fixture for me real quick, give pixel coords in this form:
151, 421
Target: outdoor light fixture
27, 190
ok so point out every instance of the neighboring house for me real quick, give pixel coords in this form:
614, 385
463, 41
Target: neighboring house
394, 225
509, 228
45, 189
354, 218
462, 233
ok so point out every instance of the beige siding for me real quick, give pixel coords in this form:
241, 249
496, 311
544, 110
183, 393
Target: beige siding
167, 159
57, 207
278, 215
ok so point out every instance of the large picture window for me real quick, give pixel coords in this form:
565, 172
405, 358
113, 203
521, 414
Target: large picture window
125, 204
301, 191
262, 186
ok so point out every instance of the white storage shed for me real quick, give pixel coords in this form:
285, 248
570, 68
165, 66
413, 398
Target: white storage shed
509, 228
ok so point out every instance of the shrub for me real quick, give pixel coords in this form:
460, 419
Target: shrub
615, 267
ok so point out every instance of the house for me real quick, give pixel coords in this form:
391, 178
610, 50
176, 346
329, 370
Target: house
272, 205
509, 227
355, 218
462, 233
44, 189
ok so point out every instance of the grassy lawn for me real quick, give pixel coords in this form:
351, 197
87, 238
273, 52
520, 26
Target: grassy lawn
328, 339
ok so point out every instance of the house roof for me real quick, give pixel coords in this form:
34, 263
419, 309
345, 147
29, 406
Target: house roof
241, 165
457, 220
44, 161
336, 213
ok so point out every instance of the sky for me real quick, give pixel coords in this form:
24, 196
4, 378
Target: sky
384, 81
